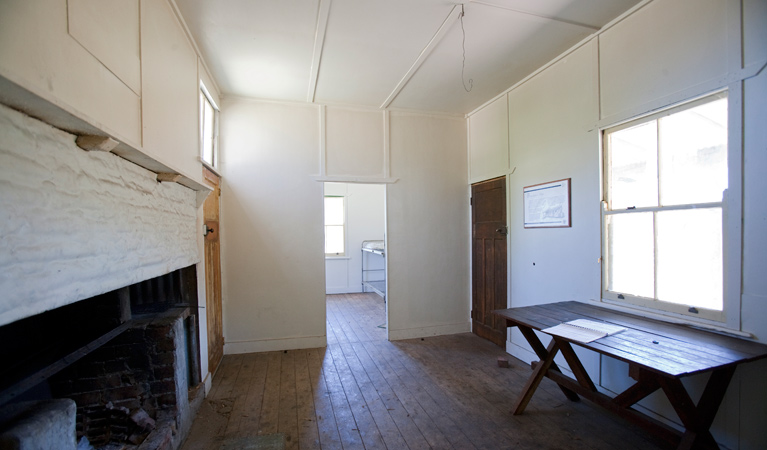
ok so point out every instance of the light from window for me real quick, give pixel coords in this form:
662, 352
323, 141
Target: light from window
208, 130
665, 177
335, 236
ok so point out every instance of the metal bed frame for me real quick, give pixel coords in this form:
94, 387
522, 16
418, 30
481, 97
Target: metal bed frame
376, 285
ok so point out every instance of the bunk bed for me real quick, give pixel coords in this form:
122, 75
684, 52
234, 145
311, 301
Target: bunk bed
374, 279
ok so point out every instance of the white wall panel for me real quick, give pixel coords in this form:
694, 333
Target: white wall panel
551, 138
109, 30
354, 142
489, 141
273, 238
755, 207
665, 47
170, 90
754, 31
752, 414
427, 227
38, 54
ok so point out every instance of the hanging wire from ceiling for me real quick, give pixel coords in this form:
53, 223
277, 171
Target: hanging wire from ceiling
463, 64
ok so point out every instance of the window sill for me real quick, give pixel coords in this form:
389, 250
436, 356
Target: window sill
663, 316
208, 166
337, 257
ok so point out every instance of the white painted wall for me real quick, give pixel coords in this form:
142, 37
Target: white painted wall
663, 53
489, 141
75, 224
171, 90
125, 69
273, 239
354, 142
365, 220
664, 48
38, 53
427, 227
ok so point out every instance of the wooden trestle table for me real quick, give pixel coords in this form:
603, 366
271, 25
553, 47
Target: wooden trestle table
659, 355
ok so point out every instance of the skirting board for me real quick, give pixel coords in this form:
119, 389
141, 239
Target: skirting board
208, 381
342, 290
272, 345
439, 330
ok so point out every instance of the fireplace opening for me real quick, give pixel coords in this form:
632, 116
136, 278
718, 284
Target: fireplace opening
129, 359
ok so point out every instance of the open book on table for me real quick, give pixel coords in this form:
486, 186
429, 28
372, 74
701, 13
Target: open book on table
582, 330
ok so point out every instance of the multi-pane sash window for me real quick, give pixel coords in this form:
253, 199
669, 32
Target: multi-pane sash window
665, 177
335, 235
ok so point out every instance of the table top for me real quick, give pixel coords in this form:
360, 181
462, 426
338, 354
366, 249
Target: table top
670, 349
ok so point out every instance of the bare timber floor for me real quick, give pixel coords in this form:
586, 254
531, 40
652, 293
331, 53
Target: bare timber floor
363, 392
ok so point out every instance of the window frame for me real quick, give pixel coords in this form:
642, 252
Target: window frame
206, 97
344, 254
731, 208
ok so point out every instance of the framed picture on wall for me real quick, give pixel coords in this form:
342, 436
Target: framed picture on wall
547, 205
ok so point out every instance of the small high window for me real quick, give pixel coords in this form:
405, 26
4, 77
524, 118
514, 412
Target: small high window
208, 129
335, 224
665, 177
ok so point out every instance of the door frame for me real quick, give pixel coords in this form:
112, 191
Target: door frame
213, 275
387, 298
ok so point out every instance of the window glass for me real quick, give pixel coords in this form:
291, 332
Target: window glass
690, 257
634, 167
207, 130
665, 176
631, 254
693, 149
335, 235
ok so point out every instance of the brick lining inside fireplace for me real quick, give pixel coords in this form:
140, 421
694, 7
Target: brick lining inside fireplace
127, 386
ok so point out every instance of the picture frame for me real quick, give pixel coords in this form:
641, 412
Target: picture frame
547, 205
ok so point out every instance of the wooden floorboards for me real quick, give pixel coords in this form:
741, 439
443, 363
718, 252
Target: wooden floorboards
363, 392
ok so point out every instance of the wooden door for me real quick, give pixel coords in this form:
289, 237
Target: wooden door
213, 273
488, 223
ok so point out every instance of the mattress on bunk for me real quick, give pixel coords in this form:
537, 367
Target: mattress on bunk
373, 245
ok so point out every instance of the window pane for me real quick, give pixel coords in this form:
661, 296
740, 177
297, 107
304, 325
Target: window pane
634, 167
693, 154
334, 239
334, 210
690, 257
631, 254
208, 122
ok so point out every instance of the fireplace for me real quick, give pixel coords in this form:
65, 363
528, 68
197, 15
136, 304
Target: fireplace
129, 359
98, 267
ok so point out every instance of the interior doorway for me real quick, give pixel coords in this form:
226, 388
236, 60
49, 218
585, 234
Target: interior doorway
355, 241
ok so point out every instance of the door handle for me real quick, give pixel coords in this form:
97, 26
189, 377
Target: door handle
503, 231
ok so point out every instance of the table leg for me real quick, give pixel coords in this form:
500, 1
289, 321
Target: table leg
698, 419
535, 379
575, 365
543, 354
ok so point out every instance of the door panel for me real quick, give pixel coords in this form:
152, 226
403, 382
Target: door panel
213, 273
488, 220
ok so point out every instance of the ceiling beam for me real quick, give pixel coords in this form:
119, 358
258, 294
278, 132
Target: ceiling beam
527, 13
454, 15
319, 43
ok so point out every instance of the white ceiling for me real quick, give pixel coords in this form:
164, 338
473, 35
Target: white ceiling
404, 54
